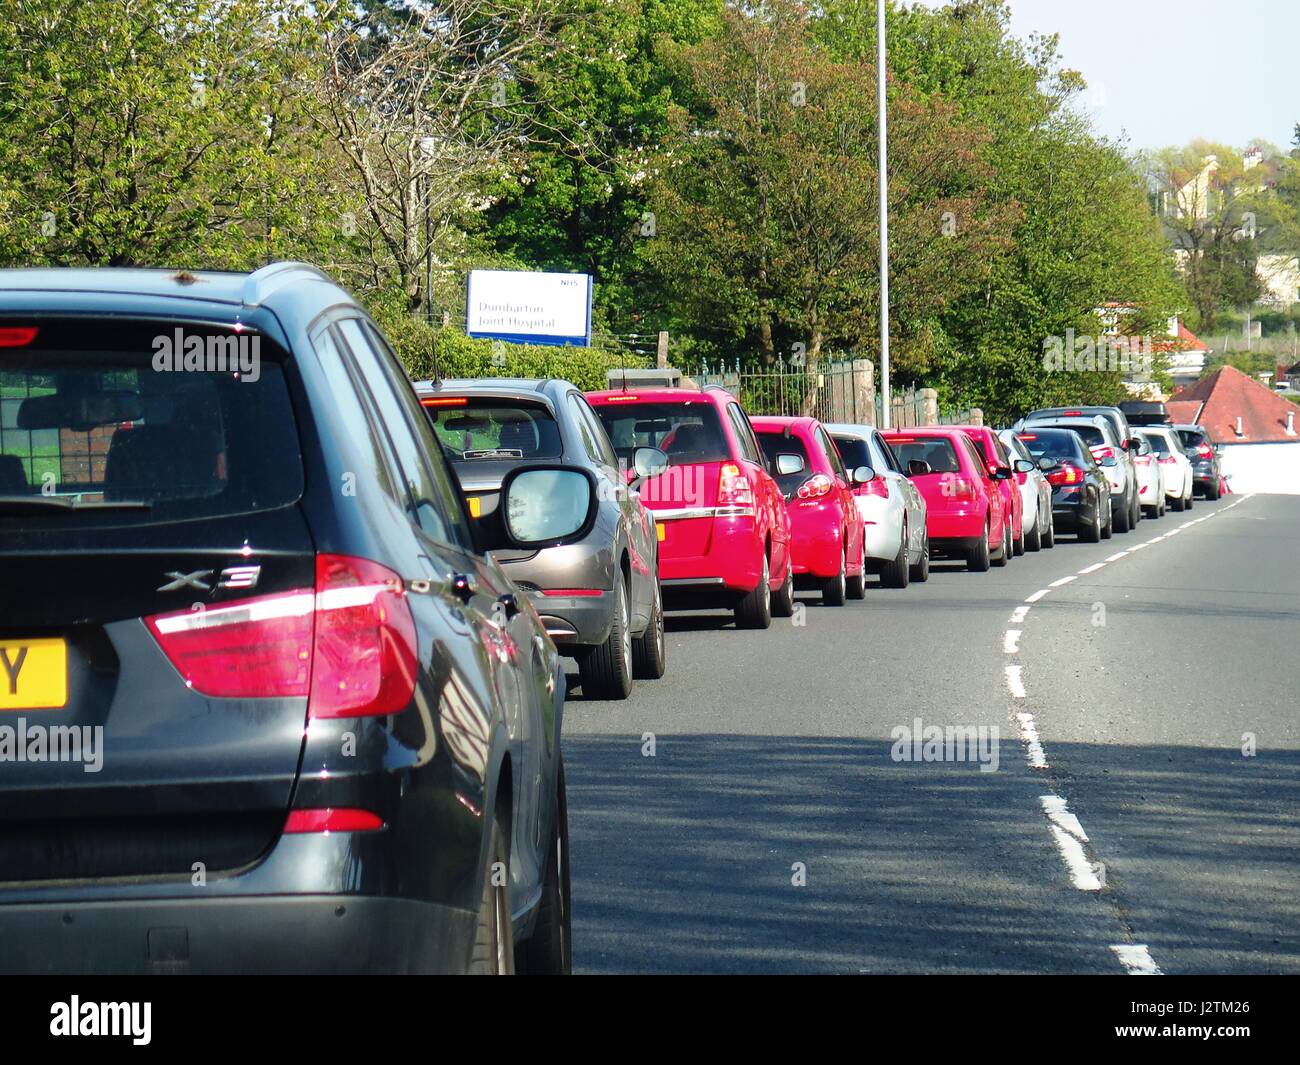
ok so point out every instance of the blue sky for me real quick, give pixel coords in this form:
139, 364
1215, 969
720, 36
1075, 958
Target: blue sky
1166, 71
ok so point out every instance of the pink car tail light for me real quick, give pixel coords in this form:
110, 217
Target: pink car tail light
815, 487
734, 489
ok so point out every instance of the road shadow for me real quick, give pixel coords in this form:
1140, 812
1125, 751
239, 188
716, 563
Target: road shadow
684, 861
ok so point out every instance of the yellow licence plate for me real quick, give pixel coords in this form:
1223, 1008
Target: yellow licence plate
33, 674
661, 530
475, 506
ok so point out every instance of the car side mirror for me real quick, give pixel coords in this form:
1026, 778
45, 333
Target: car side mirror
545, 505
1046, 464
1024, 466
1133, 443
649, 462
862, 474
787, 465
918, 468
999, 473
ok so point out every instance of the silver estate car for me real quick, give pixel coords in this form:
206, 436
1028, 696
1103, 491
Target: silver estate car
599, 598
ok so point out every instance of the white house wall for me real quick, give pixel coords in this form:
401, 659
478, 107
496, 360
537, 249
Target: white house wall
1262, 467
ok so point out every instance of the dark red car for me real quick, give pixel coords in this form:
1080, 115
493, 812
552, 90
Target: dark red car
997, 457
724, 537
966, 514
826, 525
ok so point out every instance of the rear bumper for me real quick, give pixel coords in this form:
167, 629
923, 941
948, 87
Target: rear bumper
733, 561
955, 524
816, 543
574, 621
883, 521
1072, 510
281, 934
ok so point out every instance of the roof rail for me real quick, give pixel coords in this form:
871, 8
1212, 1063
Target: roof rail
262, 282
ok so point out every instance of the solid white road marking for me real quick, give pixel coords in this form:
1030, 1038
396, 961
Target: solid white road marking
1063, 580
1014, 684
1009, 641
1091, 569
1136, 959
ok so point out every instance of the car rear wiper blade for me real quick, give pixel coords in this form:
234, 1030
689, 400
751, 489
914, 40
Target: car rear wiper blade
17, 503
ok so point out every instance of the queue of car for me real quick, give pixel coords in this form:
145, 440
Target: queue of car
330, 667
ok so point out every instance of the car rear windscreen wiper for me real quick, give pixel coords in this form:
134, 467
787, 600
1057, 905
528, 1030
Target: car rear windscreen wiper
16, 503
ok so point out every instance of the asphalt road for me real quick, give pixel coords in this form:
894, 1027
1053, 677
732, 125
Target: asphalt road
745, 813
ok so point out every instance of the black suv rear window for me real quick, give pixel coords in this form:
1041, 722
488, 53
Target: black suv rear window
1054, 443
492, 429
688, 432
98, 423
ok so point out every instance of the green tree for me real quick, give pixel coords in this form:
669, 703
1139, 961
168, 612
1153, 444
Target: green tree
143, 132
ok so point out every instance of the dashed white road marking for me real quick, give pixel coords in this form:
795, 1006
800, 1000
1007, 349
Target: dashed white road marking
1117, 556
1029, 735
1037, 595
1009, 641
1154, 540
1063, 580
1018, 615
1091, 569
1014, 684
1137, 547
1058, 812
1136, 959
1082, 874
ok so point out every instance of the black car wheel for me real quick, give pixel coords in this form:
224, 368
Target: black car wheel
1004, 556
783, 601
1092, 532
895, 574
921, 569
649, 651
1119, 522
755, 610
494, 935
606, 670
835, 589
977, 560
1034, 540
857, 586
549, 952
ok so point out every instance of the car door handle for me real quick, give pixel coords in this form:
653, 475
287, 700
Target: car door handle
463, 586
509, 604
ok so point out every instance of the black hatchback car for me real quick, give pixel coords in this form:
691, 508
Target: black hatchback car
1081, 497
266, 704
1206, 470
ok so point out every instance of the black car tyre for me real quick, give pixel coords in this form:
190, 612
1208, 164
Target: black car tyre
1092, 533
1034, 540
605, 672
857, 585
977, 560
897, 572
783, 601
755, 610
494, 934
649, 650
549, 951
1004, 556
1118, 522
921, 569
1049, 530
835, 589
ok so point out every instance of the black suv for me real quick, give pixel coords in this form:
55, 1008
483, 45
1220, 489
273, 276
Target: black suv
277, 711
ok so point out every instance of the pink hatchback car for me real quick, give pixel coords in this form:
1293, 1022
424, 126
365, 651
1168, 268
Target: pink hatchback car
966, 514
826, 526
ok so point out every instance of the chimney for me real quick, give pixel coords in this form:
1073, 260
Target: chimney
1290, 423
1239, 431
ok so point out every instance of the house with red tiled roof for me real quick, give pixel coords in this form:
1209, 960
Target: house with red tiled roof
1254, 426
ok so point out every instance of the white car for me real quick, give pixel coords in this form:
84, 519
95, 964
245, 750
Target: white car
1173, 460
1035, 493
1151, 479
892, 507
